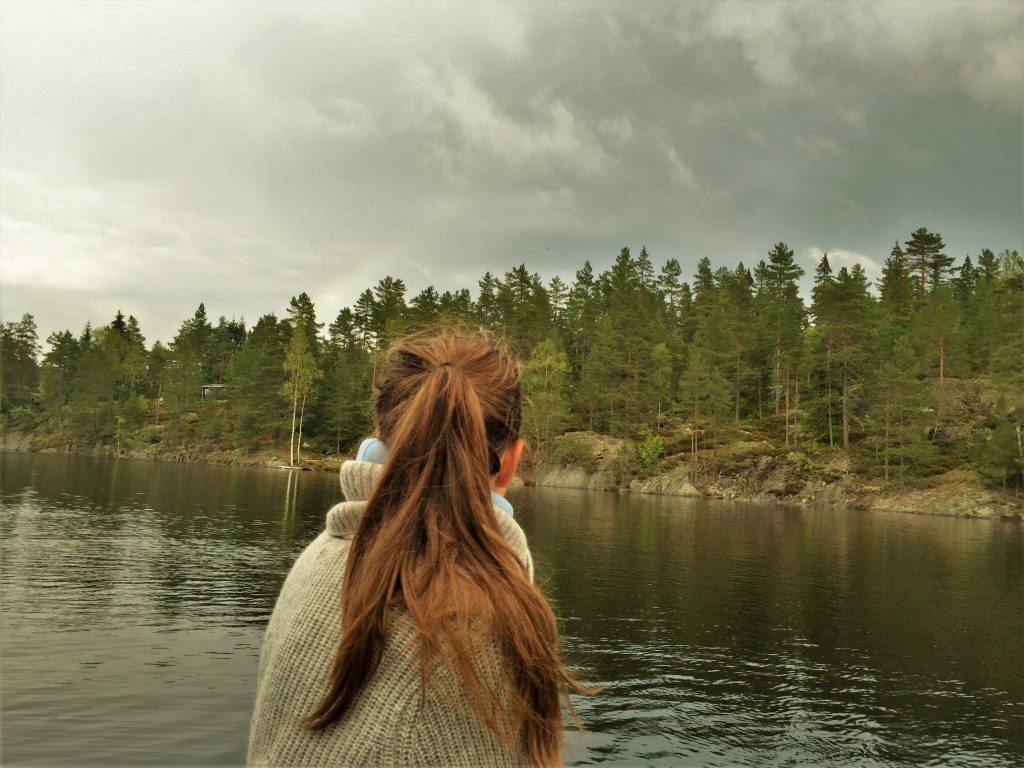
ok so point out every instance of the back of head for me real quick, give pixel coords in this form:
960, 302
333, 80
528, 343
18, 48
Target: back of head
446, 394
430, 543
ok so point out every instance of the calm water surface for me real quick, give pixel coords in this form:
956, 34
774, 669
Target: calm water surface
134, 595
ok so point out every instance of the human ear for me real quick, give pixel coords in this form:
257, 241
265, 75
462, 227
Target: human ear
509, 462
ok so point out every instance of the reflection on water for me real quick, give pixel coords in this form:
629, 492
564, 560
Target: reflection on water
134, 595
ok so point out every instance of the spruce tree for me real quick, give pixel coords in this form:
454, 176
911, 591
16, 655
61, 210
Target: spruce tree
583, 307
896, 288
19, 363
781, 317
388, 316
424, 308
57, 375
487, 301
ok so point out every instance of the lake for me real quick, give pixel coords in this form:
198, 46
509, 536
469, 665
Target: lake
134, 595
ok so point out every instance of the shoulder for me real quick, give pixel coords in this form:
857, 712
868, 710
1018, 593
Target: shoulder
516, 539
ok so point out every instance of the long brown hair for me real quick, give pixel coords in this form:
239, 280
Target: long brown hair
429, 541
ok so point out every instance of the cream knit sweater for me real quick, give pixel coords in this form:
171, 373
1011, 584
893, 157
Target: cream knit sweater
389, 724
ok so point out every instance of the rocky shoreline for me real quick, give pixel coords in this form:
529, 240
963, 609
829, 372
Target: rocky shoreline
199, 453
753, 471
760, 472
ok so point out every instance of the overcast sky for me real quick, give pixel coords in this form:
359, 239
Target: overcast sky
155, 155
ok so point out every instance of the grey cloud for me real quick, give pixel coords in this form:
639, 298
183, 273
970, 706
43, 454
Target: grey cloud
238, 153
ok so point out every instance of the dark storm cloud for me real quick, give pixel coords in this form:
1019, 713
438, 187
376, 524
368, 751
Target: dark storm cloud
241, 153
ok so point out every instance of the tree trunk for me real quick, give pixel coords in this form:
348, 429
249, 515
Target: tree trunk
828, 389
887, 401
295, 407
337, 432
776, 383
693, 443
787, 408
737, 416
298, 445
714, 446
760, 379
942, 358
846, 409
796, 414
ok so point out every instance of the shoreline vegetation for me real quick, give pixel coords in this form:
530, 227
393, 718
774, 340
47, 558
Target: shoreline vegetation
752, 471
905, 392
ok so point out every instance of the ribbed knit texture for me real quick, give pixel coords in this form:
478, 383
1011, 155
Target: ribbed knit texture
389, 724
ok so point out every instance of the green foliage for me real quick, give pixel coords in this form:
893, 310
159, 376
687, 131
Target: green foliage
649, 449
927, 262
23, 418
879, 375
625, 466
567, 452
19, 367
1001, 459
546, 386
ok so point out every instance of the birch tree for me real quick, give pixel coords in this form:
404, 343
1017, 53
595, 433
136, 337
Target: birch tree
301, 373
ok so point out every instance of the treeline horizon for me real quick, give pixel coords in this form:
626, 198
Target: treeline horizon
918, 374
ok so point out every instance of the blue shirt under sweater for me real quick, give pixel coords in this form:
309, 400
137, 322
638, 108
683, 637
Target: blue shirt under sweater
373, 450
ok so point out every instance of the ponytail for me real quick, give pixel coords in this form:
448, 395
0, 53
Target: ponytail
429, 542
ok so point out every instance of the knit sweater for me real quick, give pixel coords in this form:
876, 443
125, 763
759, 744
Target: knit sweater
389, 723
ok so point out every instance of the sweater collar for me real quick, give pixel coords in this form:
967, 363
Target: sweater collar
359, 478
374, 450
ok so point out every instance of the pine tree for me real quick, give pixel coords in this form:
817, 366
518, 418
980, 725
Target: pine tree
302, 312
737, 321
898, 400
546, 385
228, 337
388, 316
456, 307
936, 326
19, 363
965, 282
254, 378
988, 265
849, 328
1008, 333
705, 294
644, 269
347, 382
896, 288
57, 374
558, 294
94, 391
704, 397
582, 310
186, 371
671, 288
363, 313
781, 316
525, 309
424, 308
928, 261
822, 308
487, 302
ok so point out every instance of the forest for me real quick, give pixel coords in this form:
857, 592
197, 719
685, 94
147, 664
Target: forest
914, 375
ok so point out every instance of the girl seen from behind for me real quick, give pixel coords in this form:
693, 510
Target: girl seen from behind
410, 632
